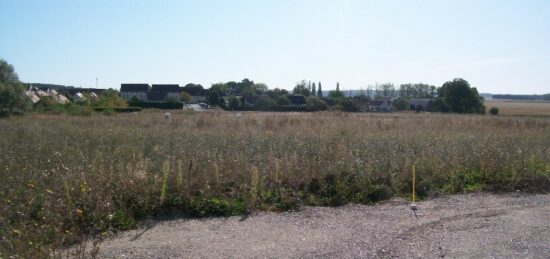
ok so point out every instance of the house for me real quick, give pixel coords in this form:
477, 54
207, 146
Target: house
59, 98
32, 95
381, 104
420, 104
35, 94
89, 91
79, 97
163, 92
131, 91
93, 96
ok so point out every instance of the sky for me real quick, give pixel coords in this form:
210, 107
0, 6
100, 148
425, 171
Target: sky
499, 46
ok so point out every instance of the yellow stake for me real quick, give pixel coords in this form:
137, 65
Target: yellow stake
414, 180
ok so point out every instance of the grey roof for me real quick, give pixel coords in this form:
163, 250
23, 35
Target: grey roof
168, 88
419, 101
134, 87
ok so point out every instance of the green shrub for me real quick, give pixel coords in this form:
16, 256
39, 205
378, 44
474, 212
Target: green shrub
493, 111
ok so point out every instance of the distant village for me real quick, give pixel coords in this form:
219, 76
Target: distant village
152, 95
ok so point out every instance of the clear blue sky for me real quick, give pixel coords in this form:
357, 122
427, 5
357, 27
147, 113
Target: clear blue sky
499, 46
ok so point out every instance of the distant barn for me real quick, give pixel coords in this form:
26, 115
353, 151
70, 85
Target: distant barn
419, 104
381, 104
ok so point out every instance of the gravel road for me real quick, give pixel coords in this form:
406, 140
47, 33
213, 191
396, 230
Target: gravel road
477, 225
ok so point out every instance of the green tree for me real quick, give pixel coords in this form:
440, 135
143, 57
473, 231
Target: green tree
400, 104
185, 97
301, 88
213, 98
13, 99
193, 88
275, 93
460, 97
12, 93
313, 89
336, 94
388, 89
417, 90
493, 111
437, 105
220, 88
319, 90
234, 102
7, 73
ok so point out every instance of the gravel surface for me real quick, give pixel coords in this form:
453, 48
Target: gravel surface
472, 226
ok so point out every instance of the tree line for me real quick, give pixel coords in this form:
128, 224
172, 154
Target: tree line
455, 96
531, 97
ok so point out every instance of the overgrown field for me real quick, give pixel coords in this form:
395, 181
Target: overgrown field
64, 179
520, 108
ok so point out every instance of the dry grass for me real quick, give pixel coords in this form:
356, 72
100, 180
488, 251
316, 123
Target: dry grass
520, 108
65, 179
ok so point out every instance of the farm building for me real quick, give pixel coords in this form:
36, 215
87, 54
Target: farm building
420, 104
382, 104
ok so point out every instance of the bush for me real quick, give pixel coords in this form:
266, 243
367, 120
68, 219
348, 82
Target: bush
47, 104
110, 98
494, 111
283, 100
263, 103
349, 106
234, 102
316, 104
78, 110
400, 104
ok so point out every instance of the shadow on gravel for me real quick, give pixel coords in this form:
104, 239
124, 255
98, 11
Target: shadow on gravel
149, 226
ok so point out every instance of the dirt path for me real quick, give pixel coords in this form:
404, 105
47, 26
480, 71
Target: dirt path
475, 225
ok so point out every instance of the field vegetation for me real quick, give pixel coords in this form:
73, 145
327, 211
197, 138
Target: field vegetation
65, 179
